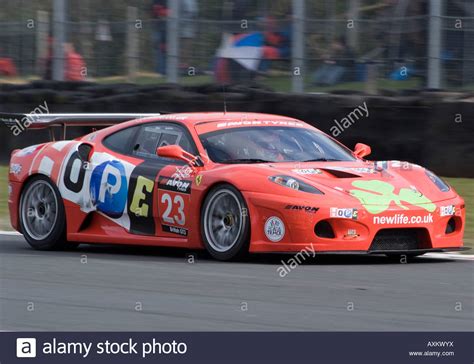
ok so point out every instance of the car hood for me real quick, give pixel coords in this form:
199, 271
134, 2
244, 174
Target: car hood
372, 183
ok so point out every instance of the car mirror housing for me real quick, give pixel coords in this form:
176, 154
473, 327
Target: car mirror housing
362, 150
176, 152
171, 151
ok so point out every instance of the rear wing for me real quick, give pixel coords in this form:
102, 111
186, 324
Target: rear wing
51, 121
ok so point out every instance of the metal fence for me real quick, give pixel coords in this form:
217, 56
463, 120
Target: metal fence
299, 45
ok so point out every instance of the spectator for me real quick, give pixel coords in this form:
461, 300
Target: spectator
189, 13
160, 13
234, 12
48, 61
277, 41
75, 67
7, 67
339, 65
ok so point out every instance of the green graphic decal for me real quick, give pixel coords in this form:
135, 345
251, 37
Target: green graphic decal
376, 196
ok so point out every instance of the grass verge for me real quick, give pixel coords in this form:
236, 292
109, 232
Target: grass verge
276, 81
465, 188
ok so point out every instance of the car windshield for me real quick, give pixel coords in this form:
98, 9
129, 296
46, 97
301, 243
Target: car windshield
272, 144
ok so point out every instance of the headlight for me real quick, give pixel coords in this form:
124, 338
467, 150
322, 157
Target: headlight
443, 186
295, 184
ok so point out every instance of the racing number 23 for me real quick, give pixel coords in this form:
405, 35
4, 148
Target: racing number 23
178, 201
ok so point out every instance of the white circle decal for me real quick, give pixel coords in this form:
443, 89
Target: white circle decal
274, 229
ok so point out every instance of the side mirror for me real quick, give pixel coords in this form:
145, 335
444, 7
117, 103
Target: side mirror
361, 150
176, 152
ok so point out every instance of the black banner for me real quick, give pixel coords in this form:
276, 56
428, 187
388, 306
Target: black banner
236, 347
175, 230
175, 185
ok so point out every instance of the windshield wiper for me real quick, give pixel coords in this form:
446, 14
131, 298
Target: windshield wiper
322, 160
245, 160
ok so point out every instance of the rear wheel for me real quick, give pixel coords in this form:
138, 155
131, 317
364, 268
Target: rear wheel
225, 223
42, 215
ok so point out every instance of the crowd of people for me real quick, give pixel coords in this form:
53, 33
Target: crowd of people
245, 53
188, 13
74, 64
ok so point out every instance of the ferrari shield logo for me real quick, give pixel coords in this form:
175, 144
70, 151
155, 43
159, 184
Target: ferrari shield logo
198, 179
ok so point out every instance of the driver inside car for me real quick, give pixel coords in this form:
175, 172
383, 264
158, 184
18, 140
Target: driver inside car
268, 147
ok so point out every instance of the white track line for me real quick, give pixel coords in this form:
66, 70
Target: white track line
450, 256
447, 255
6, 232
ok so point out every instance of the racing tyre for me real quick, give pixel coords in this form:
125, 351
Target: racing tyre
225, 223
42, 215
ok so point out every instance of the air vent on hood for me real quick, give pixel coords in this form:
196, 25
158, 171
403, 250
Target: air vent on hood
340, 173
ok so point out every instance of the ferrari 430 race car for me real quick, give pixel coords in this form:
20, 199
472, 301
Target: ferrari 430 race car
231, 183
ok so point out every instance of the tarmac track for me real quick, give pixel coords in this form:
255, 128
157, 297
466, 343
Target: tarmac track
117, 288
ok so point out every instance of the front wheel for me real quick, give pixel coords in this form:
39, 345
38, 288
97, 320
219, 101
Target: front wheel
225, 223
42, 215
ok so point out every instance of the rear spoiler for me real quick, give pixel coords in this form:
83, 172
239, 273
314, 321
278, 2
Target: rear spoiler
50, 121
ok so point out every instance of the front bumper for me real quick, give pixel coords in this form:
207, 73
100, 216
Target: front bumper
385, 252
415, 230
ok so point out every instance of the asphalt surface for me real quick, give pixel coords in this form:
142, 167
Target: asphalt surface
150, 289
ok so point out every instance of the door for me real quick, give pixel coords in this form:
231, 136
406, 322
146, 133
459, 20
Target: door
161, 187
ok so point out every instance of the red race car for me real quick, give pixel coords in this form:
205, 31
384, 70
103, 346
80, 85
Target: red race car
229, 182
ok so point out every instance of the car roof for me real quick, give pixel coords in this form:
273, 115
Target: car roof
195, 118
203, 120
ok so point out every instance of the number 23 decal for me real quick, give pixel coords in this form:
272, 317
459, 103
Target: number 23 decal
180, 217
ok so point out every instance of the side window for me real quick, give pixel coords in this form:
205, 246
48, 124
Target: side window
147, 142
120, 141
152, 136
